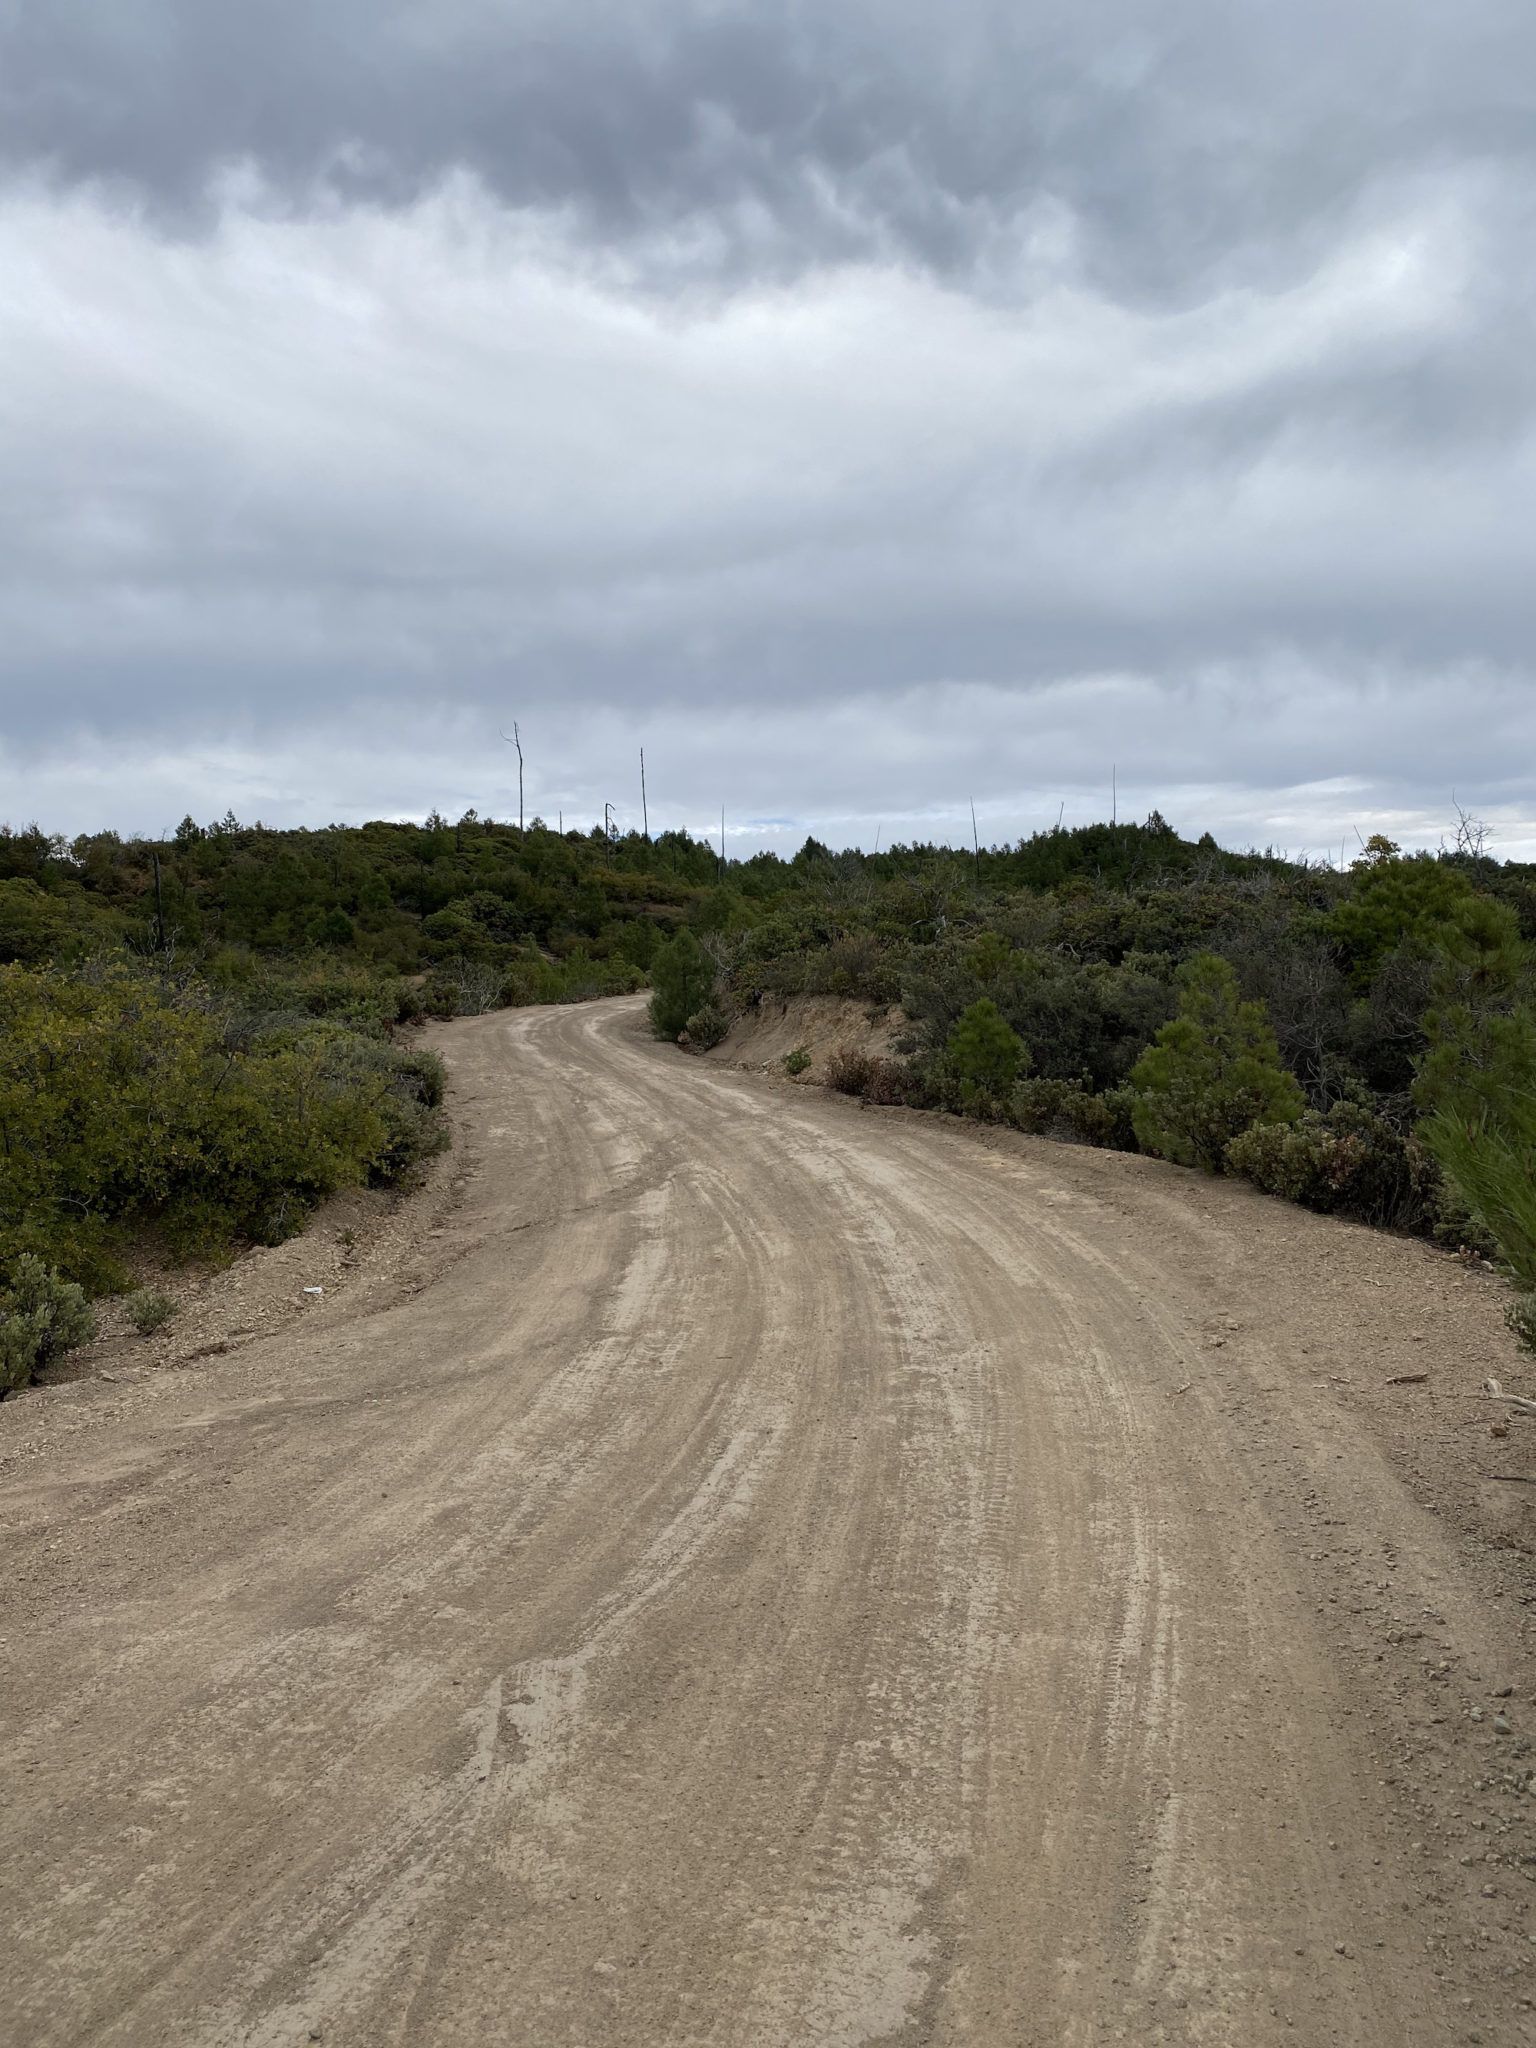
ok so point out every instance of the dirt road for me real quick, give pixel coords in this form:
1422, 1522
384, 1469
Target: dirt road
778, 1573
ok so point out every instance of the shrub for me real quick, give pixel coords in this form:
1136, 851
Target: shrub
1479, 1085
123, 1098
796, 1062
41, 1317
892, 1083
1521, 1318
984, 1052
1036, 1102
1347, 1162
149, 1310
848, 1070
683, 981
1211, 1073
463, 988
1106, 1120
706, 1027
1058, 1109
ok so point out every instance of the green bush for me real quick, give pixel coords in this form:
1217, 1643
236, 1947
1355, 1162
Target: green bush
984, 1053
1036, 1103
41, 1317
706, 1027
683, 981
1521, 1318
124, 1099
1107, 1120
150, 1310
1478, 1084
1211, 1073
1347, 1161
796, 1062
1059, 1109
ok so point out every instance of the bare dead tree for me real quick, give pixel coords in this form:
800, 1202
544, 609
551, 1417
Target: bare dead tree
1471, 833
645, 816
159, 905
514, 739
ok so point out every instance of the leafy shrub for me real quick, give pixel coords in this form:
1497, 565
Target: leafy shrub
797, 1062
463, 987
41, 1317
149, 1310
848, 1070
984, 1053
891, 1083
1107, 1120
1036, 1102
1348, 1162
1521, 1318
1211, 1073
854, 964
531, 978
683, 980
124, 1098
1479, 1085
706, 1027
1059, 1109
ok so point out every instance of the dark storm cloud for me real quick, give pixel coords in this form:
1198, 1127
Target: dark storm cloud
868, 407
716, 140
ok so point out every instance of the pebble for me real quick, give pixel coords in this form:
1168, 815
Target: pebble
1501, 1725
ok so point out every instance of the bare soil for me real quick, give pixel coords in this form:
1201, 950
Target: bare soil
737, 1567
761, 1040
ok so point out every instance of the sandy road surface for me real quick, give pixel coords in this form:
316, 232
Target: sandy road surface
795, 1575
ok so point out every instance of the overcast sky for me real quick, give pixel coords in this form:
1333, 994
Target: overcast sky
865, 408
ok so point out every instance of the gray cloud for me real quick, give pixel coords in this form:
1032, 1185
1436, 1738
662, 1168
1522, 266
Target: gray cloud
704, 138
873, 407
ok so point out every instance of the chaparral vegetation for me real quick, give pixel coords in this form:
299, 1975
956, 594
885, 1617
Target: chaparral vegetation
203, 1036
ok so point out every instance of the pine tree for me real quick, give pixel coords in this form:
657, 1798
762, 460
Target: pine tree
1210, 1074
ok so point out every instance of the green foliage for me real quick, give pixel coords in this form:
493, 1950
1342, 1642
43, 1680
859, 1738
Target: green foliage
984, 1053
41, 1317
149, 1310
292, 945
377, 902
797, 1061
1050, 1108
1420, 903
125, 1099
1521, 1318
1478, 1088
1211, 1073
1347, 1161
683, 980
706, 1027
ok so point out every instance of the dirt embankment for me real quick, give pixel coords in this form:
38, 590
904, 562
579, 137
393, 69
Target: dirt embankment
360, 1250
764, 1037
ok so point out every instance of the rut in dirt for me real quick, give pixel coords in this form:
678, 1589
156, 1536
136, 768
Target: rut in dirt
791, 1573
